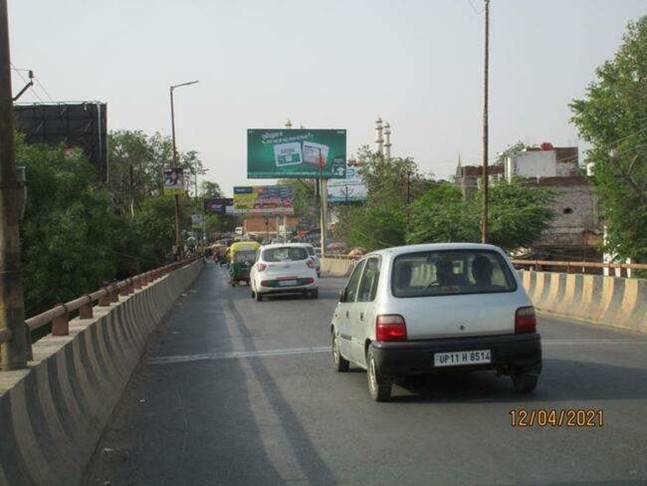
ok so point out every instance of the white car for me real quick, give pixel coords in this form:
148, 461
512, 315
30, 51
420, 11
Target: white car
284, 268
424, 309
313, 254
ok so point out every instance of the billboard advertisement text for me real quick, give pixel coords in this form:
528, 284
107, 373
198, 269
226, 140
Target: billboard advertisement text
263, 200
284, 153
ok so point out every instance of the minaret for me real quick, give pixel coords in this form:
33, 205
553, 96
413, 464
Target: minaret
288, 124
387, 141
379, 142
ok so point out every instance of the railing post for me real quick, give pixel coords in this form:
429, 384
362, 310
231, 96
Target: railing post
114, 294
105, 299
61, 324
85, 311
124, 291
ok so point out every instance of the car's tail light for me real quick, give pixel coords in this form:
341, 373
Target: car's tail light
261, 267
310, 263
390, 327
525, 320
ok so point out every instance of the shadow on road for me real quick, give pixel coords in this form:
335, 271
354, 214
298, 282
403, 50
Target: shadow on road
561, 380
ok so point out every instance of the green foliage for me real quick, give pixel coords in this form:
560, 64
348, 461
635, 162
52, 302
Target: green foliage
518, 216
372, 227
441, 216
69, 232
612, 117
137, 162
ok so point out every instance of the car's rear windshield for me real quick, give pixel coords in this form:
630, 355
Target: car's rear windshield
246, 256
286, 253
450, 272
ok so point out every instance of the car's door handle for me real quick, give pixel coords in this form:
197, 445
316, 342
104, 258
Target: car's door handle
361, 316
346, 314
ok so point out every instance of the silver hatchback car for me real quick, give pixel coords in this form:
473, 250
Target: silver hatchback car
425, 309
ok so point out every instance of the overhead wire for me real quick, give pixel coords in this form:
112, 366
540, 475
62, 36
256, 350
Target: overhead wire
34, 92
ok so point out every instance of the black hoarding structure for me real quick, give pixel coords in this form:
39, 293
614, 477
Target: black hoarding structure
80, 125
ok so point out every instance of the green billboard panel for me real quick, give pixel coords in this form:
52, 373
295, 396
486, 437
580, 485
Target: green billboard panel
284, 153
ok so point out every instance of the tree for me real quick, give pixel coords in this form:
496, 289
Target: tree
518, 215
210, 190
391, 185
137, 162
612, 117
69, 232
441, 215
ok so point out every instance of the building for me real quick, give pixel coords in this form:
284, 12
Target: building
468, 177
575, 232
542, 161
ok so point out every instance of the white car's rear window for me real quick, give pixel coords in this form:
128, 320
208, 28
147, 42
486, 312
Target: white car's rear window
283, 254
450, 272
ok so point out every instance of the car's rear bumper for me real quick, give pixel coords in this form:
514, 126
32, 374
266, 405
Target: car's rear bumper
509, 354
288, 290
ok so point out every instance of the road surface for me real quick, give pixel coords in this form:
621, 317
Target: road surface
233, 391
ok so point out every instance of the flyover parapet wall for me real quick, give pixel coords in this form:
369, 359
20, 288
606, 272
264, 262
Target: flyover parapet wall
612, 301
53, 413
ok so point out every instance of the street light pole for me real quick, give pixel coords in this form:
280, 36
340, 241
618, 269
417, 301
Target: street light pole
485, 178
175, 162
12, 311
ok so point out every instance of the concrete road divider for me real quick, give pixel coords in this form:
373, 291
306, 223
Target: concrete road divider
612, 301
337, 267
53, 413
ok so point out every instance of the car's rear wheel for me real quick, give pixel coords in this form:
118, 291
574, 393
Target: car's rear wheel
253, 293
314, 294
339, 362
524, 382
378, 385
259, 297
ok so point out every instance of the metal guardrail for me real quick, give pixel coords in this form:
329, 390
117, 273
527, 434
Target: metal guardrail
59, 315
572, 267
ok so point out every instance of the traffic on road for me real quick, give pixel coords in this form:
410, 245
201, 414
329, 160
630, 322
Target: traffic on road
233, 391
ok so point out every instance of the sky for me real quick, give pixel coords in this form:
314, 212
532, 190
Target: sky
326, 64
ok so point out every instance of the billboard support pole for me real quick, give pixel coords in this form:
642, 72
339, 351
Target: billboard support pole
323, 191
12, 308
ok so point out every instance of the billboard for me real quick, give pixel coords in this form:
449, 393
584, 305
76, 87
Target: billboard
263, 200
82, 125
284, 153
218, 205
174, 181
348, 190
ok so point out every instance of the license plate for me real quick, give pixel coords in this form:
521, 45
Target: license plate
460, 358
287, 283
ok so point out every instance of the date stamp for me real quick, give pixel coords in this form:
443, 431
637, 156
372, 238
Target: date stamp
553, 417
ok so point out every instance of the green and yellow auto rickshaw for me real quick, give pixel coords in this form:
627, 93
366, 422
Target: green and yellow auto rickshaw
241, 258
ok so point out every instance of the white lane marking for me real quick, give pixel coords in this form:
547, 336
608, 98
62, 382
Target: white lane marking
324, 349
237, 355
583, 341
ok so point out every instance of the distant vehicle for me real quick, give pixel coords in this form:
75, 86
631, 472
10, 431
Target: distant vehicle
424, 309
313, 254
284, 268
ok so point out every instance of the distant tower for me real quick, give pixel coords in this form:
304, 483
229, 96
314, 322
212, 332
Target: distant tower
387, 141
379, 142
288, 124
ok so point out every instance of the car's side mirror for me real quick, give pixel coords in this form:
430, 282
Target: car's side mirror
343, 295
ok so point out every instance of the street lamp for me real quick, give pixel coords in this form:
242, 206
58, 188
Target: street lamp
175, 162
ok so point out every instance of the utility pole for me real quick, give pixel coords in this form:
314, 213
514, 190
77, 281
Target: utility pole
485, 181
175, 162
12, 309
